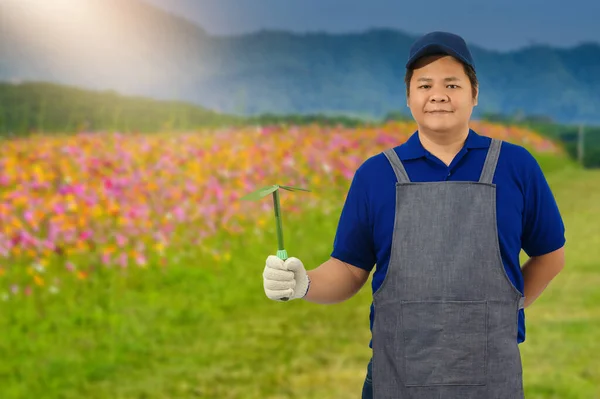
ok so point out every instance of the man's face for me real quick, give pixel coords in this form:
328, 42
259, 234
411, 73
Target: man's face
441, 99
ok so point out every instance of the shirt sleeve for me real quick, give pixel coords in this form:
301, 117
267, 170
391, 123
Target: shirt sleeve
543, 227
353, 241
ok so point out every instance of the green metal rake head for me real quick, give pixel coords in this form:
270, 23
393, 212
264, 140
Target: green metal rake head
274, 189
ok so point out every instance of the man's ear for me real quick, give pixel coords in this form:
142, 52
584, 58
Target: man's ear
476, 99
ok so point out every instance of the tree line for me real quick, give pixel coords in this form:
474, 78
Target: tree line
39, 107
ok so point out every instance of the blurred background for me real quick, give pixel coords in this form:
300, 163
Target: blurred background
129, 130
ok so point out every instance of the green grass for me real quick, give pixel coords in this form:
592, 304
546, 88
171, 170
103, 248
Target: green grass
560, 355
199, 328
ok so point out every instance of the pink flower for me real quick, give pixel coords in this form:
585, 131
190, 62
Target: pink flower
91, 200
108, 185
48, 244
28, 216
86, 235
123, 260
179, 213
106, 259
141, 260
121, 240
27, 238
132, 213
191, 188
58, 209
69, 266
4, 180
78, 189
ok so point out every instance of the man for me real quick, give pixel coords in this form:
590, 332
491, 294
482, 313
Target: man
444, 217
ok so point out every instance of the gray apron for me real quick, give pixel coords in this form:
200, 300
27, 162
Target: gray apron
446, 314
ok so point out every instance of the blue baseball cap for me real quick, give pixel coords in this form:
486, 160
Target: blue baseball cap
440, 43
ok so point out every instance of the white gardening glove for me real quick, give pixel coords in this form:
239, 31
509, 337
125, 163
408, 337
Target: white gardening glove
285, 280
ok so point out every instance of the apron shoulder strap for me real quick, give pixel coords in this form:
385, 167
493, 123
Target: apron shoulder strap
491, 160
399, 170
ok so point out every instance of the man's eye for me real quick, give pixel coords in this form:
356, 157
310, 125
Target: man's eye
424, 87
453, 86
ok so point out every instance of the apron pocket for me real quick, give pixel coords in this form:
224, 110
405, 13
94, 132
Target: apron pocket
445, 342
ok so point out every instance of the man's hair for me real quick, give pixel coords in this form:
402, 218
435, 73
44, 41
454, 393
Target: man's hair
469, 71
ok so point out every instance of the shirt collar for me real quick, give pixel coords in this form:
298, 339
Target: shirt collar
413, 149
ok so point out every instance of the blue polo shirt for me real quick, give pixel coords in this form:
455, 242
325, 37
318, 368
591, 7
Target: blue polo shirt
527, 214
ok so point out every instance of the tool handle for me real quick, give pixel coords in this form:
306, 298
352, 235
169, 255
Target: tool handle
278, 221
282, 254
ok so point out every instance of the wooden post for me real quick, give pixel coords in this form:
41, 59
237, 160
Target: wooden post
580, 145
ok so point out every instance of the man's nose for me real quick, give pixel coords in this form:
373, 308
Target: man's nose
439, 98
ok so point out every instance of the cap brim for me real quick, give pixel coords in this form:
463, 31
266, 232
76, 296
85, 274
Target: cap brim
434, 49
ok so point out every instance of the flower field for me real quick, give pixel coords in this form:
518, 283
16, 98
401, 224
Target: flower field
130, 268
72, 205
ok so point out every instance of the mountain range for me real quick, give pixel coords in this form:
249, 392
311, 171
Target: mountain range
134, 48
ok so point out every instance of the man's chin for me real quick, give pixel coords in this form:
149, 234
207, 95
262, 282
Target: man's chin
440, 127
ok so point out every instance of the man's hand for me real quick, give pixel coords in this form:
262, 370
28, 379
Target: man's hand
539, 271
284, 280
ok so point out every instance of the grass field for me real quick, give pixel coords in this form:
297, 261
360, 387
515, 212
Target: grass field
200, 326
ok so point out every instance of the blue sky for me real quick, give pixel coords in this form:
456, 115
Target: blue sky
500, 25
